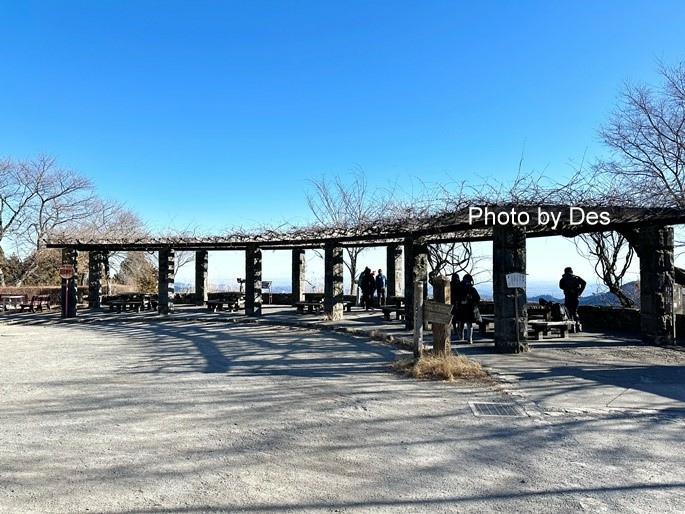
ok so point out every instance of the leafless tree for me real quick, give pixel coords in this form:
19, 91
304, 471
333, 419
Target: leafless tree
40, 198
344, 204
612, 257
646, 134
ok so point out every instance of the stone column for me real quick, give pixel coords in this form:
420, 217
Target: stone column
253, 281
656, 285
70, 256
441, 333
394, 265
201, 276
415, 268
69, 289
298, 274
333, 281
95, 270
509, 256
165, 281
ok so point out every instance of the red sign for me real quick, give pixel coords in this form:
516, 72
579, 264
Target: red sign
66, 271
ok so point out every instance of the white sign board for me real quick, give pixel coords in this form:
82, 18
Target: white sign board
516, 280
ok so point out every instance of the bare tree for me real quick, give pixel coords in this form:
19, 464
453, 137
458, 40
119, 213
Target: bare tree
343, 204
40, 198
646, 134
612, 257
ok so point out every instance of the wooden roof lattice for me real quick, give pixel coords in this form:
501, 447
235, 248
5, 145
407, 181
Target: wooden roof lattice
454, 226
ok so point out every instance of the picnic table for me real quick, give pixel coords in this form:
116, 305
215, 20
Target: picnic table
133, 302
11, 300
232, 301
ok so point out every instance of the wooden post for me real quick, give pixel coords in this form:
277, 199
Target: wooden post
418, 319
441, 331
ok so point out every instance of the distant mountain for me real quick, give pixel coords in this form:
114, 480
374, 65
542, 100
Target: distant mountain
606, 298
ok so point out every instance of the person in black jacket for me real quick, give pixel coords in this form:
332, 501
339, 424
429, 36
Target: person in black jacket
467, 309
368, 287
455, 284
573, 286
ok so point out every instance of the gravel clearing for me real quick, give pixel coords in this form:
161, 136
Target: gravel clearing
184, 417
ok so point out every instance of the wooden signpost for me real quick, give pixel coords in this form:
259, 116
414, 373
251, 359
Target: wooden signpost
436, 312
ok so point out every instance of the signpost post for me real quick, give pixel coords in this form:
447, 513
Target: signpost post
68, 292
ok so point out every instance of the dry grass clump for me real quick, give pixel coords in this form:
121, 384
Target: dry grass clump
440, 367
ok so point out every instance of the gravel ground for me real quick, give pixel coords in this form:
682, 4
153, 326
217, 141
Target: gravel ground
182, 417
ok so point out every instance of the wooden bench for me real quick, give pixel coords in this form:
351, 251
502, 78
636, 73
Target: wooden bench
312, 307
232, 304
37, 302
126, 304
133, 301
542, 328
316, 307
487, 319
389, 309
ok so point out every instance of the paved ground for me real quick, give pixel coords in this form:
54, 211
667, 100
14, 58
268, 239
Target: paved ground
129, 414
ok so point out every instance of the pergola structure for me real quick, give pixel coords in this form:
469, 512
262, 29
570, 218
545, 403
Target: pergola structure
649, 230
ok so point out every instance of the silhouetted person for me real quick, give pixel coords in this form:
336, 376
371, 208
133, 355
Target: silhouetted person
368, 287
573, 286
467, 309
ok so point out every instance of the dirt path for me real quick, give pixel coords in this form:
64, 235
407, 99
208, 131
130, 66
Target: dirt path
184, 417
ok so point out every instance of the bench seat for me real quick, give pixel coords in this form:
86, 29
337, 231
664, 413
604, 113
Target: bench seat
542, 328
234, 304
312, 307
487, 319
37, 302
389, 309
119, 305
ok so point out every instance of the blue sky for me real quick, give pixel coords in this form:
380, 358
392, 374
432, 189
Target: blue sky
214, 114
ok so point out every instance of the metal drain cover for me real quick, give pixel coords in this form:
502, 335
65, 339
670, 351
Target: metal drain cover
496, 409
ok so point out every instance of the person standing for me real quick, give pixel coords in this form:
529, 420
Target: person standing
368, 287
455, 284
467, 309
573, 286
360, 300
381, 288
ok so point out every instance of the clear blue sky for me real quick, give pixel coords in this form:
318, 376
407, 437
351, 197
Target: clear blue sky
214, 114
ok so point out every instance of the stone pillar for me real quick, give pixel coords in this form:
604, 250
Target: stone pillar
201, 276
165, 281
394, 265
415, 268
442, 333
69, 290
298, 274
656, 285
253, 281
70, 256
509, 256
333, 281
95, 271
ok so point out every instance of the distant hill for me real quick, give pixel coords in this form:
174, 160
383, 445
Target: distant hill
605, 298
